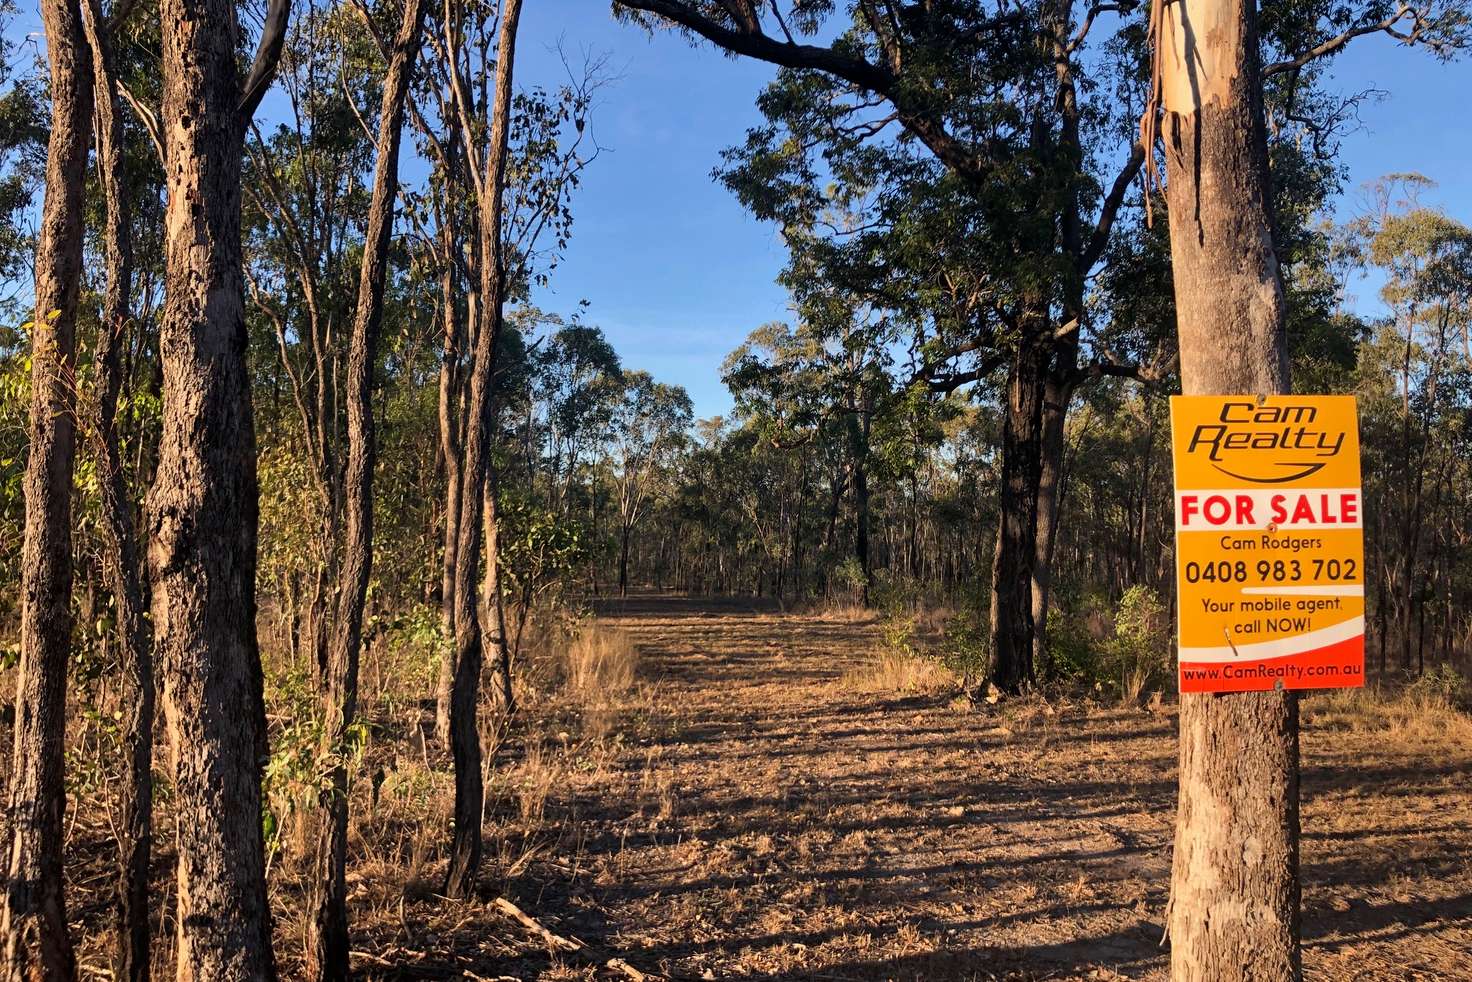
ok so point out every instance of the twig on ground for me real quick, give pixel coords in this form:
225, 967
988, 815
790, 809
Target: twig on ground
557, 942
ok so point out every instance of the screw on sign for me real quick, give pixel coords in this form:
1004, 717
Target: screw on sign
1269, 542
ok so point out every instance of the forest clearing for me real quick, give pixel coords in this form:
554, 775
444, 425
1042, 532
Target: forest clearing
770, 797
698, 489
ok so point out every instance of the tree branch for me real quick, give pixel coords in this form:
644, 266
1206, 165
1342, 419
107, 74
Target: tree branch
751, 41
268, 56
1100, 239
1337, 43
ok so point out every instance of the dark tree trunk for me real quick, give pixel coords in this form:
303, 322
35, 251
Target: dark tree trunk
1057, 391
33, 921
1234, 911
1012, 572
135, 843
328, 949
203, 508
465, 848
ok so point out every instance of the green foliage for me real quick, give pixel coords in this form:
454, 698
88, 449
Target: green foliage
1140, 651
413, 634
966, 646
15, 396
1073, 654
540, 548
897, 599
849, 580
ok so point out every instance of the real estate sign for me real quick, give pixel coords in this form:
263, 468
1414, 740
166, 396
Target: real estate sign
1269, 542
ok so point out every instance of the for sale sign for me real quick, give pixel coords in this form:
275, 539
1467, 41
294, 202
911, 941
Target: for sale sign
1269, 542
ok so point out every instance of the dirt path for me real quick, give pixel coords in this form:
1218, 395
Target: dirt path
780, 824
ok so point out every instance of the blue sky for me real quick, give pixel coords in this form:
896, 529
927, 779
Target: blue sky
677, 273
675, 270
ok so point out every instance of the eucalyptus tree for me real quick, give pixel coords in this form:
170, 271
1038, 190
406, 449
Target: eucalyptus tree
649, 427
549, 145
576, 387
1231, 312
823, 381
1415, 384
202, 509
122, 562
932, 161
486, 158
33, 918
329, 948
306, 201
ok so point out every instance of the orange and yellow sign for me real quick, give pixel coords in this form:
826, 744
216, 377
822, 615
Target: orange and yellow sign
1269, 542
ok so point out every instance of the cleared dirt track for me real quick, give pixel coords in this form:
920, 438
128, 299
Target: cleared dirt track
777, 823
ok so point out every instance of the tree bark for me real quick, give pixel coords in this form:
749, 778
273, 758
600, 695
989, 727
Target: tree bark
623, 559
1234, 888
328, 945
203, 508
135, 844
1056, 394
1012, 571
859, 451
450, 446
465, 849
493, 604
33, 921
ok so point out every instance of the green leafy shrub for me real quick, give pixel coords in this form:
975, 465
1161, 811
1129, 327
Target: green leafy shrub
1140, 651
966, 642
1073, 653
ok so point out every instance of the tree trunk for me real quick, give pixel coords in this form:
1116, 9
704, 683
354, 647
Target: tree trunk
203, 509
465, 848
859, 449
328, 946
623, 560
33, 920
1057, 392
131, 959
1234, 888
449, 422
493, 604
1012, 572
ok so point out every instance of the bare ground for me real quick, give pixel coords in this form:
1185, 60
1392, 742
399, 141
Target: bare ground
753, 813
808, 830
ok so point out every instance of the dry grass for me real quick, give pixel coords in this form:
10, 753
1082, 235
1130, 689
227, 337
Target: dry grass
1426, 712
846, 613
601, 663
891, 672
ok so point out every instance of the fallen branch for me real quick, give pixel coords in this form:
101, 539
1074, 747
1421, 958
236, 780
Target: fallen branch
554, 941
557, 942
